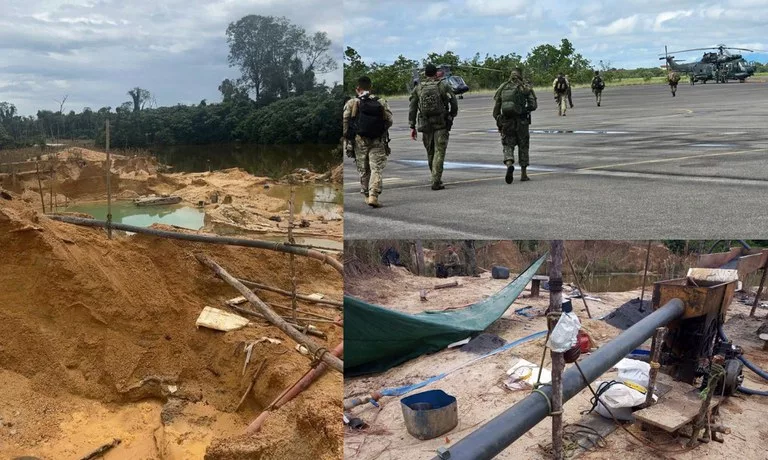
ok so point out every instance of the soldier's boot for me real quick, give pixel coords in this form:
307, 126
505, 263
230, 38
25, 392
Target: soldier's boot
524, 176
438, 186
373, 201
510, 173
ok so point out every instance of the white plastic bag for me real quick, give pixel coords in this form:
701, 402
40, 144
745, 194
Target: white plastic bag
620, 399
564, 334
634, 371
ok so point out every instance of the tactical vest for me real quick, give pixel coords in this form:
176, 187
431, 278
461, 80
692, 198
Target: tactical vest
513, 100
598, 84
370, 118
561, 86
431, 102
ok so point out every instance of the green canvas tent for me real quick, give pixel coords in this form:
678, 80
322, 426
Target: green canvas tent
377, 339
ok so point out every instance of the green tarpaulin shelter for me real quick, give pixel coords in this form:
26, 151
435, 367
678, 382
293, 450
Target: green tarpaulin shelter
377, 339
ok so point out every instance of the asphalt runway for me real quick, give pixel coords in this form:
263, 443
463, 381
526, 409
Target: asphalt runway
645, 165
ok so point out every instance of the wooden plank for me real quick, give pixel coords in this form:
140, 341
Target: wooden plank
677, 408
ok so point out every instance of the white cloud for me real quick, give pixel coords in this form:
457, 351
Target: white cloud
434, 11
666, 16
496, 7
620, 26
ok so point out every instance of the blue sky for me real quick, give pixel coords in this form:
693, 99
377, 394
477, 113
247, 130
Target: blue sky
94, 51
629, 33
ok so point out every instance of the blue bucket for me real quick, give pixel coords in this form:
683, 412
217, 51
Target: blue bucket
429, 414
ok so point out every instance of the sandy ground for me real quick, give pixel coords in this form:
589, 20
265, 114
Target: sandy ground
481, 395
234, 200
99, 342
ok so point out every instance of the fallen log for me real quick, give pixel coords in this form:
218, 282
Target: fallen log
291, 392
307, 298
273, 317
447, 285
272, 246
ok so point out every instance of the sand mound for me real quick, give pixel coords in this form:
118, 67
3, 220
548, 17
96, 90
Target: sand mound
114, 321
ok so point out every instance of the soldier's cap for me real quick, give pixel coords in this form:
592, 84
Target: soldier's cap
597, 72
430, 70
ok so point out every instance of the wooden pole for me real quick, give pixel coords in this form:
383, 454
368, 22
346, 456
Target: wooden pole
318, 351
645, 273
109, 188
579, 286
558, 361
40, 185
759, 292
419, 258
658, 339
264, 287
293, 264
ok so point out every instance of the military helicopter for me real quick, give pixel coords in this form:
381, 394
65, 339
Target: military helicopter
456, 83
719, 66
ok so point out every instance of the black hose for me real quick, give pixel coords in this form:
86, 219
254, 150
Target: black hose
750, 391
752, 366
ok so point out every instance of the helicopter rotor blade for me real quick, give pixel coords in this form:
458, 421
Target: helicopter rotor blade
695, 49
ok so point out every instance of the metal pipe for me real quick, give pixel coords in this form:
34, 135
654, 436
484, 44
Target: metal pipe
498, 433
279, 247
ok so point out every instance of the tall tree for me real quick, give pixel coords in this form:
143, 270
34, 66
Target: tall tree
140, 98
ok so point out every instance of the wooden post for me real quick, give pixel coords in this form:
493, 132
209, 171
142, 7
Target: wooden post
419, 258
469, 247
759, 292
701, 419
109, 187
322, 353
558, 361
293, 262
579, 286
645, 273
40, 185
658, 339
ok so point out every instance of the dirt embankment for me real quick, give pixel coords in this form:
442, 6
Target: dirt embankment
234, 200
99, 341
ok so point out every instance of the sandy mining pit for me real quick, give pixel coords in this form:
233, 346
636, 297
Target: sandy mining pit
234, 200
99, 342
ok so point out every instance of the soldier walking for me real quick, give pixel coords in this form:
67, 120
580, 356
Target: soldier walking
513, 103
434, 106
561, 87
673, 78
366, 122
598, 85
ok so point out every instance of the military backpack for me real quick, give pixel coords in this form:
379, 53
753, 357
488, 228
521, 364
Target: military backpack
598, 84
370, 118
513, 100
431, 103
561, 86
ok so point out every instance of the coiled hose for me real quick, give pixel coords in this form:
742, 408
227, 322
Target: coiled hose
751, 367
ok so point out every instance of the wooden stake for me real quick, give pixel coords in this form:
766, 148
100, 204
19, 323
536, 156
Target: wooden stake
759, 292
558, 361
273, 317
250, 386
658, 339
109, 188
419, 258
645, 272
264, 287
293, 265
40, 185
578, 284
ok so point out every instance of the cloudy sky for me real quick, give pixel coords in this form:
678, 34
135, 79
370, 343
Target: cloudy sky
628, 33
94, 51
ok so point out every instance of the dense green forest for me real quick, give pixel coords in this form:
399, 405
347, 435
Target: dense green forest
541, 65
277, 100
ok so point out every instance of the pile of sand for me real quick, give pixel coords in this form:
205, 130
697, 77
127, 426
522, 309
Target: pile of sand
87, 319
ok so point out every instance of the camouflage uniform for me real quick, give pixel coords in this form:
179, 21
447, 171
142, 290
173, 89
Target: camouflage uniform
673, 78
561, 98
597, 90
434, 132
514, 131
370, 154
454, 264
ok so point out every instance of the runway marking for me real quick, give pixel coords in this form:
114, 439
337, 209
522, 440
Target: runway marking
595, 168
